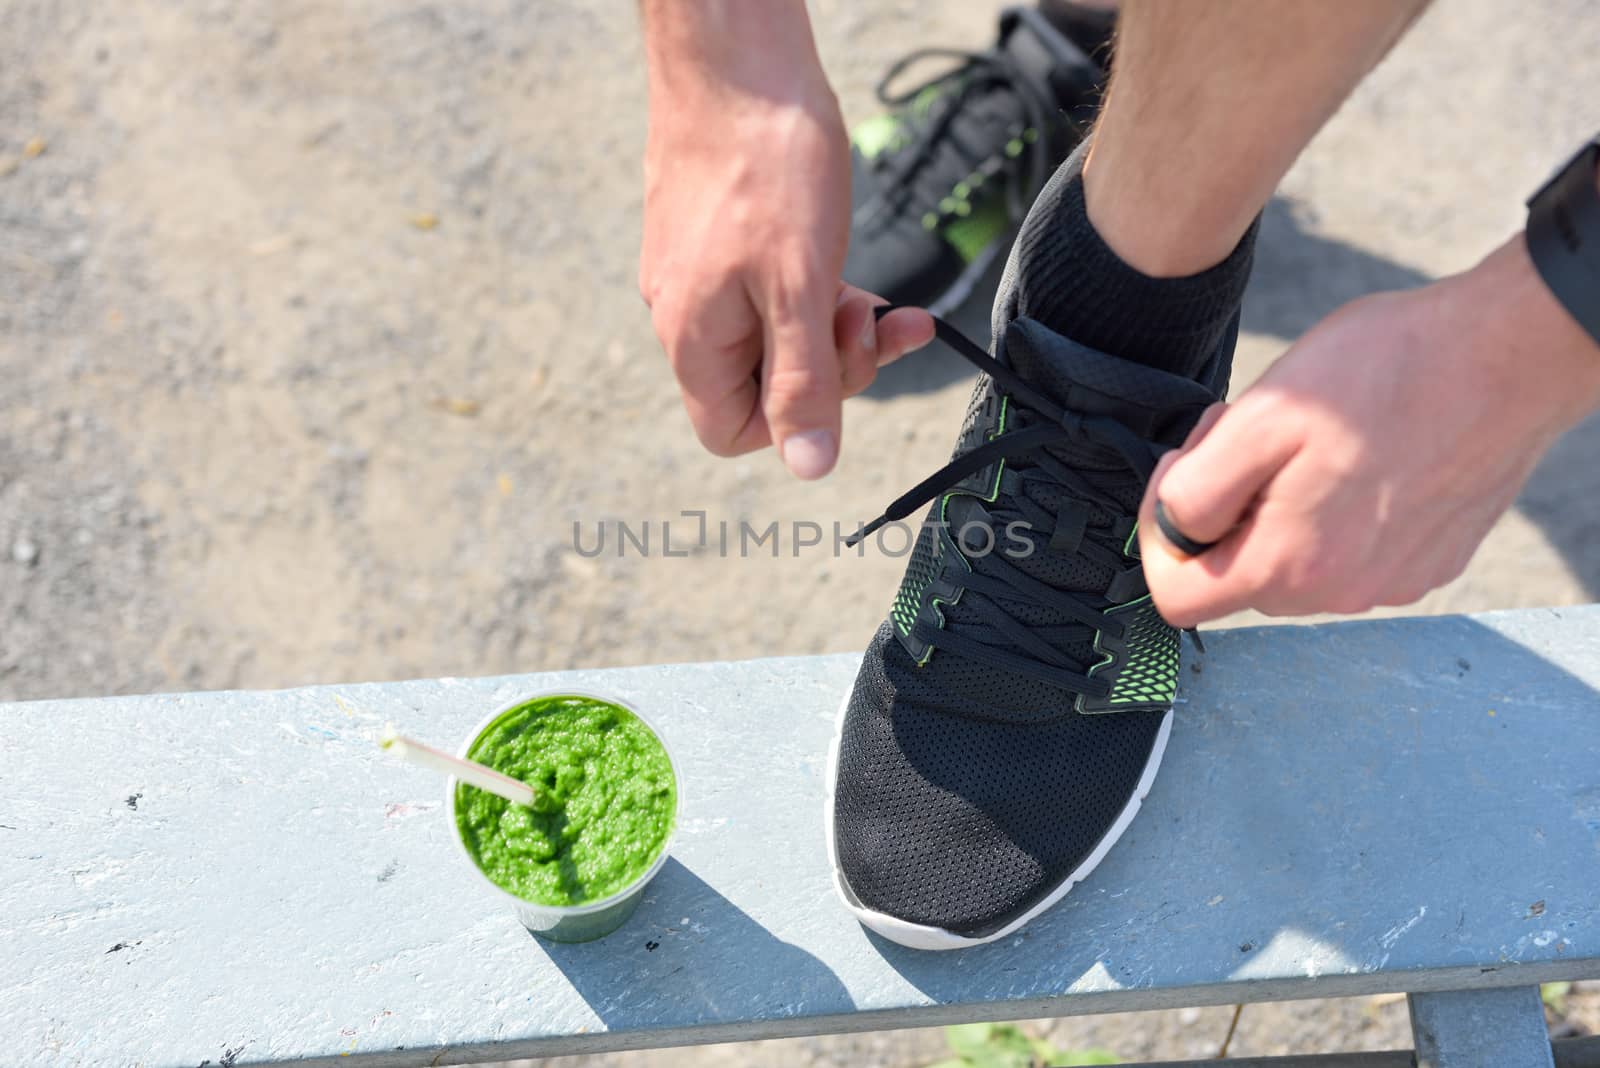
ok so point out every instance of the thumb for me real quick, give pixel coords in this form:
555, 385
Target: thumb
801, 388
1208, 488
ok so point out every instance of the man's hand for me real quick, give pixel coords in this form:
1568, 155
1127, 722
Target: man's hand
1366, 466
747, 202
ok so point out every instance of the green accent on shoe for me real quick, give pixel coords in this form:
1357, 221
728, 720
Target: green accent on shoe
930, 221
1014, 147
922, 571
970, 234
887, 132
919, 572
1150, 673
876, 135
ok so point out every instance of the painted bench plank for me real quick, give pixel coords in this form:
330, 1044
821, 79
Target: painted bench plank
1376, 806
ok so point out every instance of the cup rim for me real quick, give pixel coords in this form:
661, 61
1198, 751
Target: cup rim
588, 907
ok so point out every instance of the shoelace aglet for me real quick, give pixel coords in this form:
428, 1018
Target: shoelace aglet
866, 532
1194, 635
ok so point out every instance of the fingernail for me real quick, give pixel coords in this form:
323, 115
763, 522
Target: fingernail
869, 335
810, 453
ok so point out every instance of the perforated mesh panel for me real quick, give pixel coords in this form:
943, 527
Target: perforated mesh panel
1150, 672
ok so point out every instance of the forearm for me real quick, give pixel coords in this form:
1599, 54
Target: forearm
1209, 106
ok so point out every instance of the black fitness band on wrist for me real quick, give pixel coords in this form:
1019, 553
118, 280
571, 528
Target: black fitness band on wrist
1177, 538
1563, 237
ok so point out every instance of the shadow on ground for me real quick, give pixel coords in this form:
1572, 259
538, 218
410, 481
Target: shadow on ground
1300, 275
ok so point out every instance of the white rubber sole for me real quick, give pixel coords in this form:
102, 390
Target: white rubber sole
919, 936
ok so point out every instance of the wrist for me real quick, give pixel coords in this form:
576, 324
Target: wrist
1504, 301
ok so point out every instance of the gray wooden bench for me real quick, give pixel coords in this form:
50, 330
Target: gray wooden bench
240, 878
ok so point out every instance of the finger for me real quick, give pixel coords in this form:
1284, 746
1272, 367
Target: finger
739, 424
1152, 544
1190, 590
1197, 433
714, 349
855, 335
901, 331
731, 423
1208, 419
800, 387
1209, 488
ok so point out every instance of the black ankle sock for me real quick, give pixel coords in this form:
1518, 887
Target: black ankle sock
1065, 276
1088, 27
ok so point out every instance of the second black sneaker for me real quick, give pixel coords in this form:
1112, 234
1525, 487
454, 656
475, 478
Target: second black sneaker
940, 182
1010, 714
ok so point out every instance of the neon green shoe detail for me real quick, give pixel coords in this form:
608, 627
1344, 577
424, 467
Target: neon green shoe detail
923, 569
1149, 675
927, 554
876, 135
984, 224
887, 132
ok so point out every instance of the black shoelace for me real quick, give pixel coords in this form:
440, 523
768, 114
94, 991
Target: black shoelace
977, 73
1041, 424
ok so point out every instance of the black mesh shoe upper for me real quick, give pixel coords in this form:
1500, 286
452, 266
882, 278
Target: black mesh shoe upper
1005, 711
950, 819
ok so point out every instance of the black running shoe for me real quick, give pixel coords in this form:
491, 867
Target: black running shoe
1011, 712
940, 183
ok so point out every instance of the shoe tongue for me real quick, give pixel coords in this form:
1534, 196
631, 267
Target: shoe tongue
1153, 403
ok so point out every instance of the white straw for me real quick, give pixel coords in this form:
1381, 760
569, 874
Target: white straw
468, 771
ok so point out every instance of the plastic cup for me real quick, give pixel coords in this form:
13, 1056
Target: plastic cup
592, 919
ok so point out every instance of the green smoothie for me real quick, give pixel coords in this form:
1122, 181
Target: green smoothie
606, 801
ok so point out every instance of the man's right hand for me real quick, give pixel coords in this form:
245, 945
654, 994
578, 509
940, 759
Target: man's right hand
746, 220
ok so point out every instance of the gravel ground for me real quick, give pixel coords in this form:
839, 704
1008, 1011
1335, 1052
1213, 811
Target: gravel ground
318, 333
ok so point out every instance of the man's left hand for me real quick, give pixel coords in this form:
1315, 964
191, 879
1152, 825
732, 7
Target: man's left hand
1367, 464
